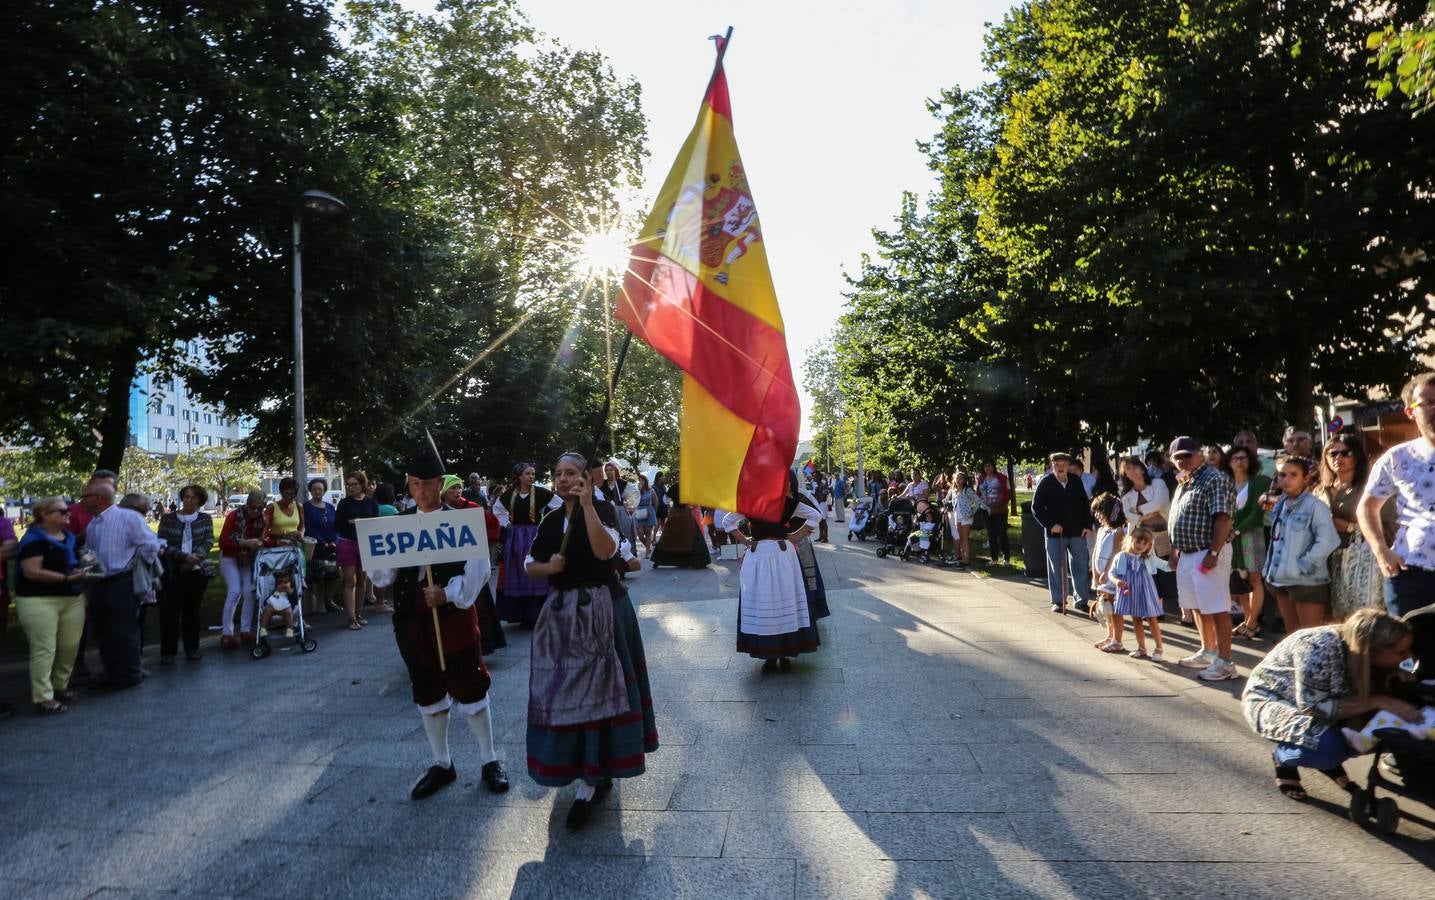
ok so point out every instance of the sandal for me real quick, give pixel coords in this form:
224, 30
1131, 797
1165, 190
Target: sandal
1138, 653
361, 620
55, 710
1288, 782
1116, 647
1341, 779
355, 626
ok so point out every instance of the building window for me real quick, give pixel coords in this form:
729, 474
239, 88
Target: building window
207, 418
169, 409
169, 434
159, 433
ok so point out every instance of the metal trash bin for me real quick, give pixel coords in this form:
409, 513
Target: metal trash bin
1033, 544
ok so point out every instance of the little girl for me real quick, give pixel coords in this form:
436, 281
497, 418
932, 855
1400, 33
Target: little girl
1133, 574
927, 523
1112, 521
279, 606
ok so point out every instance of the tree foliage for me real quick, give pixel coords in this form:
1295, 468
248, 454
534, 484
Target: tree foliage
219, 470
1157, 218
1405, 57
154, 154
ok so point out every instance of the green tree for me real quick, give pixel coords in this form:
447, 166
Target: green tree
141, 473
1405, 58
152, 153
219, 470
26, 472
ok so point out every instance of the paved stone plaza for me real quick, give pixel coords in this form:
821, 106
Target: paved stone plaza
952, 739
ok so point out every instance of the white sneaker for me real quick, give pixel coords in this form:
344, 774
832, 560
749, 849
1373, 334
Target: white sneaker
1196, 660
1156, 656
1219, 670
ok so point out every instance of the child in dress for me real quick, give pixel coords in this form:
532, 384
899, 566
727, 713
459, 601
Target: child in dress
1133, 578
279, 606
1112, 521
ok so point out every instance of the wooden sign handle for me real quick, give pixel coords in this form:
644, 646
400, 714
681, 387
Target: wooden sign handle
437, 632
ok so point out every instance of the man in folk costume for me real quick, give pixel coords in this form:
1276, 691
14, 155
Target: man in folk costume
458, 681
775, 622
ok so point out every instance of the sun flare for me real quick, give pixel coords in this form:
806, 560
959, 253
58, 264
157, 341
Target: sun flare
603, 252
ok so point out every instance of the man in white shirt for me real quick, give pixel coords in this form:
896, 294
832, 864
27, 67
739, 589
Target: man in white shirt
1407, 473
119, 537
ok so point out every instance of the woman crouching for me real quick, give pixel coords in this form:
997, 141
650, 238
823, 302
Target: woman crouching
1318, 679
590, 712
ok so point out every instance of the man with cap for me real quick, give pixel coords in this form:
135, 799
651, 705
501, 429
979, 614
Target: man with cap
459, 683
1200, 527
1061, 507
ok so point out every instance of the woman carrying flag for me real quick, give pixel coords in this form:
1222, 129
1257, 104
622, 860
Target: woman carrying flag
774, 621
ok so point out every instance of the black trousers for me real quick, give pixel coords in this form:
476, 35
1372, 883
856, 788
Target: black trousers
997, 538
114, 624
179, 611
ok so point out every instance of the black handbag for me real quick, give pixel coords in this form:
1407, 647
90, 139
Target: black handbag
979, 520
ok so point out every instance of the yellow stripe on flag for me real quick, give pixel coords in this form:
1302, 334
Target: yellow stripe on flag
713, 442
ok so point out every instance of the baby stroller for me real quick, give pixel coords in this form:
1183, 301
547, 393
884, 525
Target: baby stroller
893, 533
863, 522
1414, 757
285, 559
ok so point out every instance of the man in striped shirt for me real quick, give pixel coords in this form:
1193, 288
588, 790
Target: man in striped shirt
118, 536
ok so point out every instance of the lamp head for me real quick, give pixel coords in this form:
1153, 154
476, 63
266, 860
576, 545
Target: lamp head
322, 203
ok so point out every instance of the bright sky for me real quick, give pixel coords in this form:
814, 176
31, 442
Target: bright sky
828, 102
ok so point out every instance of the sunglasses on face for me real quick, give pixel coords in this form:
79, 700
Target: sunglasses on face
1336, 454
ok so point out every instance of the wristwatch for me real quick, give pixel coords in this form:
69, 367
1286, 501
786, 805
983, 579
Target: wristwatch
1350, 528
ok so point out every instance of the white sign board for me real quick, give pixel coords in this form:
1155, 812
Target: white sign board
422, 539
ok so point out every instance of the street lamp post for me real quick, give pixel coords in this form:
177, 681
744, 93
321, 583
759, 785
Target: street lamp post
320, 203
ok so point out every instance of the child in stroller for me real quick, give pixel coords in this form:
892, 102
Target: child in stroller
900, 515
926, 535
279, 579
1411, 745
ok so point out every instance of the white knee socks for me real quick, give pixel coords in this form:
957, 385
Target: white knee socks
482, 725
436, 727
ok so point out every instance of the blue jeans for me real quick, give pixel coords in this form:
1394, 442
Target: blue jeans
1078, 567
1331, 751
1409, 590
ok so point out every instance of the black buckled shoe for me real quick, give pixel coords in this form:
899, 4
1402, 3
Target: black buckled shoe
434, 780
494, 778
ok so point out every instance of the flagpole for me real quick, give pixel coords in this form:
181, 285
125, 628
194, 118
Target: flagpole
723, 41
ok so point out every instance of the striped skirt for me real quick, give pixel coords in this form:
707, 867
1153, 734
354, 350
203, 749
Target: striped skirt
812, 579
609, 748
519, 597
773, 618
1141, 600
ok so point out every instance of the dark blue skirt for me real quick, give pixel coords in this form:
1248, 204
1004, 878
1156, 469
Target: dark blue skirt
609, 748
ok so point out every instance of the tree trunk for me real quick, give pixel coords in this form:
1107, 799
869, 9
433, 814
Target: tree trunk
114, 424
1300, 392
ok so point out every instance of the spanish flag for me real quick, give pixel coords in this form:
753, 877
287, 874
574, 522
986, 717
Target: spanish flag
698, 290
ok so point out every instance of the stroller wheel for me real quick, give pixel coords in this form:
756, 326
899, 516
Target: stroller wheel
849, 536
881, 552
1387, 815
261, 650
1360, 804
308, 645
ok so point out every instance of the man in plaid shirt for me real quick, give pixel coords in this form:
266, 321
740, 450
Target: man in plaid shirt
1200, 526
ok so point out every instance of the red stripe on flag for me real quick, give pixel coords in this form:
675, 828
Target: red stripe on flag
717, 94
740, 359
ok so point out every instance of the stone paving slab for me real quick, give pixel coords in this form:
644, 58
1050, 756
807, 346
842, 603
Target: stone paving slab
951, 739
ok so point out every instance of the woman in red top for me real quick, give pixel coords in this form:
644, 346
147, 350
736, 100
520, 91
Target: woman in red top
490, 629
242, 534
995, 492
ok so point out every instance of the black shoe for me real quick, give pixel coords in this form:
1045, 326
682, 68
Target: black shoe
601, 790
785, 664
435, 779
769, 667
1082, 606
494, 778
579, 813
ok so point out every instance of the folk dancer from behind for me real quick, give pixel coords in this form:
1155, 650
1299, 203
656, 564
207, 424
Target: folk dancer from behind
774, 620
463, 686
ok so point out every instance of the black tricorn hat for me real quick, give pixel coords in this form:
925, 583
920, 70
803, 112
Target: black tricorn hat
426, 462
